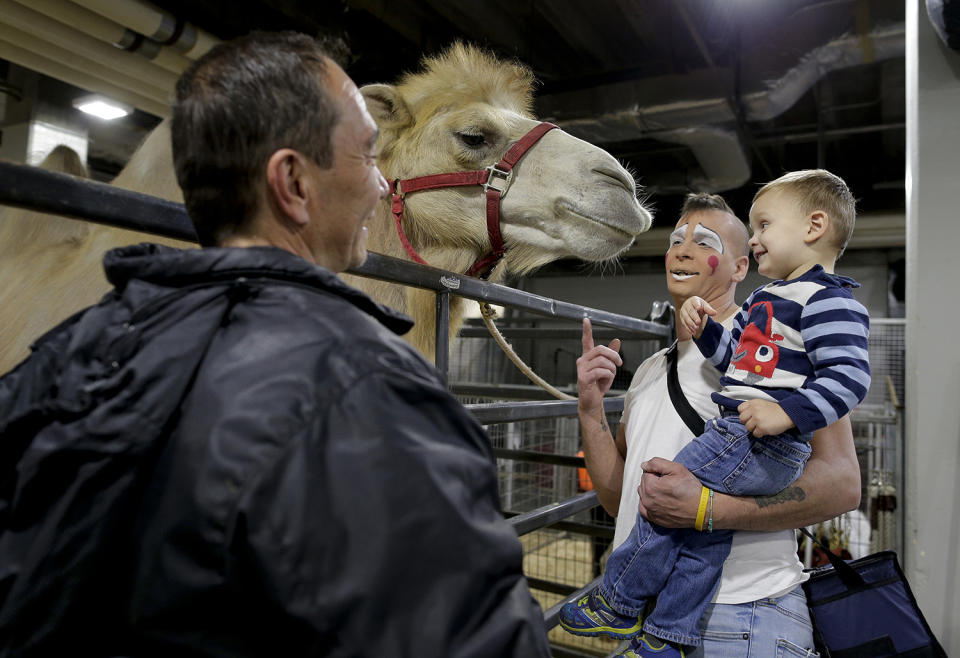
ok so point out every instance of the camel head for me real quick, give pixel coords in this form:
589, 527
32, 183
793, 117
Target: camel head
462, 112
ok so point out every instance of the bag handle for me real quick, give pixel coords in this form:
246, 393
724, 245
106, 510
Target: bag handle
682, 406
847, 574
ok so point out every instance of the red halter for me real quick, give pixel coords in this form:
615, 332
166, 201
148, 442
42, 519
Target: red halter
495, 179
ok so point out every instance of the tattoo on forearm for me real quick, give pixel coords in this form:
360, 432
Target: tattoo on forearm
785, 496
603, 422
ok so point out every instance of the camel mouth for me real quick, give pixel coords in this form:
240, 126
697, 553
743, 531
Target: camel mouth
618, 229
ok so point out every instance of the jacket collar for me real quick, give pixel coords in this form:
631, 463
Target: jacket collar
171, 267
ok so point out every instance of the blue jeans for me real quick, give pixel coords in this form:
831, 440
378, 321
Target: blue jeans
768, 628
681, 567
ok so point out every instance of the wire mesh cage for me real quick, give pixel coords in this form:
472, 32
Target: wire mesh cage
878, 432
878, 436
560, 559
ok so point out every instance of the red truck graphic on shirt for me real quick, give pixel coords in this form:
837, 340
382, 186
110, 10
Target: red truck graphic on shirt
756, 352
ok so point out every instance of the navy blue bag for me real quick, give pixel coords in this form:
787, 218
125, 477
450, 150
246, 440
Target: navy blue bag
865, 609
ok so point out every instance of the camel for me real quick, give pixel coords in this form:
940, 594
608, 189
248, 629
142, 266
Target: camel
460, 112
51, 266
32, 247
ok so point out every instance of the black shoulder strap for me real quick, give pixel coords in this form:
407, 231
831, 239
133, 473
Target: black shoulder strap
847, 574
684, 409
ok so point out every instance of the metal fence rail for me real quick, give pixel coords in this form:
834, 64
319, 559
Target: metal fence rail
44, 191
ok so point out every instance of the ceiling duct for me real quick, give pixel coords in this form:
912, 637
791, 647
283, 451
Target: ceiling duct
69, 60
719, 152
154, 23
84, 80
111, 32
48, 30
702, 118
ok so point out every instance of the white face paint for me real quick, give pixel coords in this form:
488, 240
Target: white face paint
702, 237
708, 238
679, 234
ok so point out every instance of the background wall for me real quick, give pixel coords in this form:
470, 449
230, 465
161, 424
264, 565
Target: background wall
932, 357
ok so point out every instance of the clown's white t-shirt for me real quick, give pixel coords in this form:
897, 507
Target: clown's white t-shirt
760, 564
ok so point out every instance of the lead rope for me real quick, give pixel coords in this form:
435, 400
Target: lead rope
489, 315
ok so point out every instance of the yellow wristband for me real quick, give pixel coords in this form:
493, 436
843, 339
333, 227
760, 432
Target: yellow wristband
701, 512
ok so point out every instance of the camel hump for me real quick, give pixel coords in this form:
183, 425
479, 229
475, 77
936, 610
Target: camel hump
64, 160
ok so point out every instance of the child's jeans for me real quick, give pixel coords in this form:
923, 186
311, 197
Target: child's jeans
681, 567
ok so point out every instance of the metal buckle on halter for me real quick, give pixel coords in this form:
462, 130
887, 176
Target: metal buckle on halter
498, 174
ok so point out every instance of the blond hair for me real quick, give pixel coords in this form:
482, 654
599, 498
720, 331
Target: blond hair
818, 189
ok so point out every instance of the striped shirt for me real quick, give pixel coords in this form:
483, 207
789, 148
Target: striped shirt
800, 343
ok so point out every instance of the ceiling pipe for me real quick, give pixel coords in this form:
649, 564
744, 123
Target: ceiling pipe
845, 52
113, 33
82, 45
154, 23
718, 151
55, 69
70, 60
631, 110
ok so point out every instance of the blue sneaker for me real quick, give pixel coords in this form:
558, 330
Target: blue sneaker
592, 616
647, 646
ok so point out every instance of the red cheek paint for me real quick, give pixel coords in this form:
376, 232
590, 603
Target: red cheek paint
713, 261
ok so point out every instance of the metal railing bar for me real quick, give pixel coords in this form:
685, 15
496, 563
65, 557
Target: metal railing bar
551, 615
528, 392
522, 392
61, 194
552, 333
550, 586
539, 457
441, 350
553, 512
46, 191
488, 413
396, 270
557, 651
589, 529
604, 532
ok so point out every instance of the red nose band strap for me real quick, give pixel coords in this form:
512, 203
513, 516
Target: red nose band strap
495, 180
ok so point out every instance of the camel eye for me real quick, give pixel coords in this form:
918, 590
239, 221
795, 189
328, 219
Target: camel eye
472, 140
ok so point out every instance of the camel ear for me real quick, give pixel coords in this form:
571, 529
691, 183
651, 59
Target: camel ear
387, 106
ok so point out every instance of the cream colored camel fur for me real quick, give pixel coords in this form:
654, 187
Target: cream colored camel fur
461, 112
51, 266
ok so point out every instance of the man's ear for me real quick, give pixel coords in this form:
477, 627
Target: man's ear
741, 265
387, 107
817, 227
287, 187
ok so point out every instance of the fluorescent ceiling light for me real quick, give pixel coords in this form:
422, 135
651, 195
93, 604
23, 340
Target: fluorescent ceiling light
101, 107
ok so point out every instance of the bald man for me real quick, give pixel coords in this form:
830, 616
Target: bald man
759, 604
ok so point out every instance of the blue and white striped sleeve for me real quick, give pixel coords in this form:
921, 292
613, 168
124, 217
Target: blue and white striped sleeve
717, 344
835, 328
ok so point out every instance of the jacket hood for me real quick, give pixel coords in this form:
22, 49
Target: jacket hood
170, 267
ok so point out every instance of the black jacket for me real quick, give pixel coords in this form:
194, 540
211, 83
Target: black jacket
233, 454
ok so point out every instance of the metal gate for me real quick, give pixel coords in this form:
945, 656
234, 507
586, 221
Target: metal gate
44, 191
